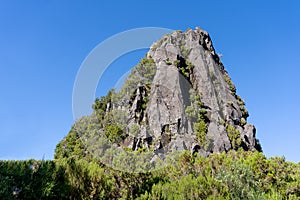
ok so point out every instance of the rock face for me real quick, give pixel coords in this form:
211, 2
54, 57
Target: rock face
184, 62
179, 97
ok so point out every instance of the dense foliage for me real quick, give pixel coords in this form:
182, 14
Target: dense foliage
233, 175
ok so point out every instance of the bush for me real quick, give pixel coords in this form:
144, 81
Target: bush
230, 84
201, 131
240, 181
234, 136
114, 133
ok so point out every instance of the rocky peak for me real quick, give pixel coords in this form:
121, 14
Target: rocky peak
179, 97
187, 63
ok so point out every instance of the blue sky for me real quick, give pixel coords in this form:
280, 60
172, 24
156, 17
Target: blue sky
43, 43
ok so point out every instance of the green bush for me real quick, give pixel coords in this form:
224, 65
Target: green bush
114, 133
234, 136
143, 73
201, 131
240, 181
230, 84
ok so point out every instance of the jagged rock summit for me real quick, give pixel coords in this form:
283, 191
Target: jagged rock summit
179, 97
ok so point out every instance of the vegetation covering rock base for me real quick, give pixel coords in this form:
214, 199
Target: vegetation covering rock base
233, 175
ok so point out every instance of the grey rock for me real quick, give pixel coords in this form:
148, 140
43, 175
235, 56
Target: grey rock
208, 77
186, 61
166, 105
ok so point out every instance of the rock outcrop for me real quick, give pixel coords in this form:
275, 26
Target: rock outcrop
184, 62
179, 97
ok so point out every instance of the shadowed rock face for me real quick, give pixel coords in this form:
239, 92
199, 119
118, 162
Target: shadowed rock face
184, 62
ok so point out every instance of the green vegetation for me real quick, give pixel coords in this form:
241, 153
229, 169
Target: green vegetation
234, 136
243, 121
184, 66
197, 112
232, 175
114, 133
184, 51
144, 103
222, 122
230, 84
142, 74
241, 103
96, 133
70, 145
107, 123
201, 131
193, 111
168, 62
102, 105
134, 130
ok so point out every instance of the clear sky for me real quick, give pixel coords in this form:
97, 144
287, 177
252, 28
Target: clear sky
43, 43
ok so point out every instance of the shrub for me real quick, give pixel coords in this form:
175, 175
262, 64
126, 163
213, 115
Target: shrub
234, 136
201, 131
240, 181
114, 133
230, 84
